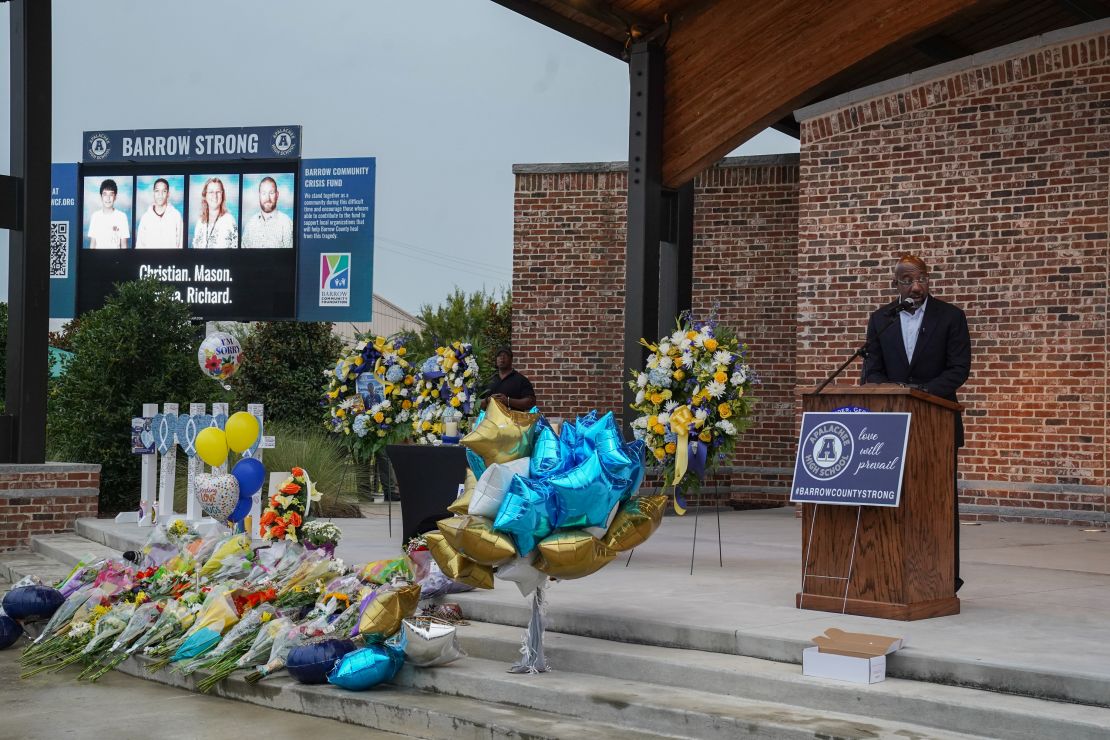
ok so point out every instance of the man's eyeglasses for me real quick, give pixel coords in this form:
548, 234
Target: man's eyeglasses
907, 282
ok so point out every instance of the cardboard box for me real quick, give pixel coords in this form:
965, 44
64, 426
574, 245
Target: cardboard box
849, 656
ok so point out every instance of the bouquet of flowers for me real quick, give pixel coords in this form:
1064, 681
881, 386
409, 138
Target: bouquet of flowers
693, 399
445, 388
288, 507
368, 395
318, 535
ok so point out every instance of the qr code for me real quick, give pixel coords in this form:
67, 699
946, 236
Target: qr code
59, 249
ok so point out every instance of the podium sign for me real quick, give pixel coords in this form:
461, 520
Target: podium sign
851, 458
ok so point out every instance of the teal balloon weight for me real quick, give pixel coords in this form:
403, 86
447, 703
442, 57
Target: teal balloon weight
586, 494
545, 451
527, 513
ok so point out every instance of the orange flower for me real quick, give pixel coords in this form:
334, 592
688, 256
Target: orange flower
290, 488
298, 472
268, 518
278, 531
293, 519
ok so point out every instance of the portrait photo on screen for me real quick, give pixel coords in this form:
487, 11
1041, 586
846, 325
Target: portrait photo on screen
214, 211
159, 203
268, 203
108, 205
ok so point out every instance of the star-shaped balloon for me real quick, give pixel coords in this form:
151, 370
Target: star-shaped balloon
636, 521
478, 541
545, 451
586, 494
476, 463
383, 610
572, 449
492, 486
462, 503
527, 513
523, 574
457, 566
503, 435
572, 554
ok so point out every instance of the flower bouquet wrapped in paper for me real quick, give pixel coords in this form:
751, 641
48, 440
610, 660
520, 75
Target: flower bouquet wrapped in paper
288, 507
321, 535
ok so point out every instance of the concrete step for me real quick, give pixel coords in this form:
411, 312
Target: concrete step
402, 710
16, 565
947, 708
107, 533
70, 548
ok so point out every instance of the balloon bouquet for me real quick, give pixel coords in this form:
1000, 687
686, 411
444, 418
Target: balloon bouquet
223, 496
539, 504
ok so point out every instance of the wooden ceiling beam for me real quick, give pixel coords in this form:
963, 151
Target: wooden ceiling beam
731, 74
567, 27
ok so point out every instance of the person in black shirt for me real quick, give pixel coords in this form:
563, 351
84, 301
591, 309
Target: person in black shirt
508, 386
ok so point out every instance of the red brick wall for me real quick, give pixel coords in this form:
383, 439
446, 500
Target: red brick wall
568, 293
44, 499
997, 176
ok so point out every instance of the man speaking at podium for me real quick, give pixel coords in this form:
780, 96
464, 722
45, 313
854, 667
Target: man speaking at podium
928, 347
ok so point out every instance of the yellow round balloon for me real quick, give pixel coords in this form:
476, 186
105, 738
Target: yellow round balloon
211, 445
382, 617
457, 566
637, 519
573, 553
242, 431
503, 435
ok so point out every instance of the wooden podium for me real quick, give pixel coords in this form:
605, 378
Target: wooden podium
901, 565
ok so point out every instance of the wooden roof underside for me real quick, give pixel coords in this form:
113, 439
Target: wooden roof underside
733, 68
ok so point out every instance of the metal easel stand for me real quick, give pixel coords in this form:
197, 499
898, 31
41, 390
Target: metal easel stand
694, 540
851, 560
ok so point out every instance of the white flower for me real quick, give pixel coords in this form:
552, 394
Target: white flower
722, 357
640, 396
687, 359
638, 433
685, 344
700, 415
715, 389
664, 418
641, 379
640, 422
664, 362
652, 361
738, 377
670, 405
726, 426
678, 336
664, 348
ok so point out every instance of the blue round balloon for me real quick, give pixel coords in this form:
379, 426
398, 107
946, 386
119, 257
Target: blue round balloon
10, 630
242, 508
32, 603
313, 662
366, 668
251, 474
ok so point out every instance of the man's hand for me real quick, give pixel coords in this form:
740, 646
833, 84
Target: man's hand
502, 398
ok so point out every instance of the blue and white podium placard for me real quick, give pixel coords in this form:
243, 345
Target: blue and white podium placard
851, 458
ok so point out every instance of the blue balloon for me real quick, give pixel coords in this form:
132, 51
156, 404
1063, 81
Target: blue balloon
477, 464
571, 449
545, 451
242, 508
586, 494
313, 662
635, 452
366, 668
528, 513
32, 603
587, 420
251, 474
10, 630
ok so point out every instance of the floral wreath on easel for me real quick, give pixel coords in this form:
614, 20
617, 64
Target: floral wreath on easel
289, 507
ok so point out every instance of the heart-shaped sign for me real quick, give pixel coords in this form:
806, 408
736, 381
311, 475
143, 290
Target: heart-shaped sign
220, 421
187, 434
165, 432
217, 494
204, 421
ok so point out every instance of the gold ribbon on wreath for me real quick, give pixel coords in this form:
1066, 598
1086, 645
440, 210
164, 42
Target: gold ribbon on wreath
681, 418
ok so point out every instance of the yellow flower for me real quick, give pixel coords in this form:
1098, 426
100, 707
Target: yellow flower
667, 394
340, 413
440, 350
401, 351
408, 380
379, 343
691, 335
659, 453
711, 344
706, 436
379, 416
435, 394
406, 404
426, 426
455, 401
671, 448
724, 410
658, 428
656, 398
652, 421
333, 394
678, 374
720, 377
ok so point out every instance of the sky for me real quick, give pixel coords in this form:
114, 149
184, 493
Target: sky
446, 94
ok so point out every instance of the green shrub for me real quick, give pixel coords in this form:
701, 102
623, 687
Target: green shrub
283, 367
139, 348
480, 318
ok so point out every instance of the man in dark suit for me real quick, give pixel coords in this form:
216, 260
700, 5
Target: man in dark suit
928, 346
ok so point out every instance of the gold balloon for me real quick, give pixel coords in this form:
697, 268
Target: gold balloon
637, 519
479, 542
383, 616
462, 503
452, 529
457, 566
572, 554
503, 435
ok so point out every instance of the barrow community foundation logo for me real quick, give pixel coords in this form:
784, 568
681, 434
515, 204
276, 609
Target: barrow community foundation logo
99, 146
827, 450
335, 279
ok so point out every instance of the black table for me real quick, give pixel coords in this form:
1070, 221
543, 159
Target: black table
428, 480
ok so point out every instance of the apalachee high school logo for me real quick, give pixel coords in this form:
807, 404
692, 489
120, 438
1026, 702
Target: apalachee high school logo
283, 142
99, 146
827, 450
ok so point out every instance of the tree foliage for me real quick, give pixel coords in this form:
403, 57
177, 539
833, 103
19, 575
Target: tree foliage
483, 319
283, 366
139, 348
